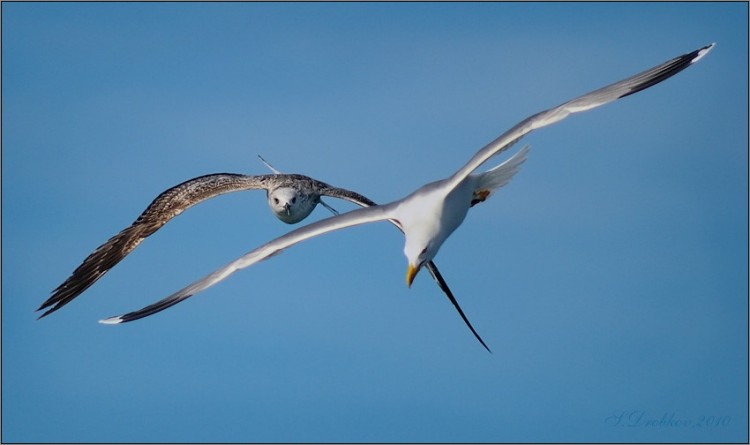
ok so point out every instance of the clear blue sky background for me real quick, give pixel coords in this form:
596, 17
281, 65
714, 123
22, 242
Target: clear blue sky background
609, 278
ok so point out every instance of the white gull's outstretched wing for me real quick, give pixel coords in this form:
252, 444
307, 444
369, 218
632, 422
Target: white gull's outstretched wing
353, 218
588, 101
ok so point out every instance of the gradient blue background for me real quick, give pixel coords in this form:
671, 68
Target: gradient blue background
609, 278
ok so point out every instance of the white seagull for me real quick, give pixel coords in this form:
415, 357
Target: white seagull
291, 197
430, 214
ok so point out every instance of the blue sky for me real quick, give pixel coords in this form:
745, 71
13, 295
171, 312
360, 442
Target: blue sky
609, 278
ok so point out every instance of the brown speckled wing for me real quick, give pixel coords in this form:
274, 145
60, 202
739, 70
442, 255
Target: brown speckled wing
166, 206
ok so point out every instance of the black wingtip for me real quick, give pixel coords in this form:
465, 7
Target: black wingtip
444, 286
483, 344
669, 69
144, 312
698, 54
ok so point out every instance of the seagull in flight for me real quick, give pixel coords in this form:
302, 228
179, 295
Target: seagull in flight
430, 214
291, 197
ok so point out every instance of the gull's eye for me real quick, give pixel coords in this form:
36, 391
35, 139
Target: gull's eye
423, 251
294, 200
275, 200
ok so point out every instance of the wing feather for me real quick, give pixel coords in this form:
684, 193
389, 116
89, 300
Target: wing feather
347, 195
166, 206
590, 100
349, 219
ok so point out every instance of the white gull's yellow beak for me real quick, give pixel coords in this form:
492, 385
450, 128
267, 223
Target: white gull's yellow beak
411, 272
